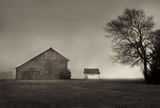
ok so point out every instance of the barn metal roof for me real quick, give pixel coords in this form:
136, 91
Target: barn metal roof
91, 71
50, 49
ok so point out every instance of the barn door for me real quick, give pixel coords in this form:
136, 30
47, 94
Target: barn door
51, 69
36, 75
27, 75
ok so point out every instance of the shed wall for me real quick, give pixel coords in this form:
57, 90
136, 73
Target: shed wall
92, 76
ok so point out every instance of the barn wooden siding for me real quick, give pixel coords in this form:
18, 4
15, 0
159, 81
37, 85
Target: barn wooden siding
47, 65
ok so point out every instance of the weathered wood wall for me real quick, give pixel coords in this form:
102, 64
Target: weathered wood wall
47, 65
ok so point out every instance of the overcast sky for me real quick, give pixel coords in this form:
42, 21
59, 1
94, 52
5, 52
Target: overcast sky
72, 27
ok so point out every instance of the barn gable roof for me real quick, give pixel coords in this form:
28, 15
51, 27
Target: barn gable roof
91, 71
50, 49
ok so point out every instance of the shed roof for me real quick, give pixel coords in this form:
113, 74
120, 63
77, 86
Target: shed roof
91, 71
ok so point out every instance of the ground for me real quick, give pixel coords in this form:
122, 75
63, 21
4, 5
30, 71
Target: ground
79, 94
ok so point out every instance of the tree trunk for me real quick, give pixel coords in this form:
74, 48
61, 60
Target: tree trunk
145, 71
146, 75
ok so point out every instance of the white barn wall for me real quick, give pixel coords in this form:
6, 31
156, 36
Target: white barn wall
92, 76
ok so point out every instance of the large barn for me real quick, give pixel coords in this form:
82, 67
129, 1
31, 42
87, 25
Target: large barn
45, 66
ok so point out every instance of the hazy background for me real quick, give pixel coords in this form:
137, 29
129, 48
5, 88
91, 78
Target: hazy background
72, 27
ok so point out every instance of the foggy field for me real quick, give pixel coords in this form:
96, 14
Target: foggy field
79, 94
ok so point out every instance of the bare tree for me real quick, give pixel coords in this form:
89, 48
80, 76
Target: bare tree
131, 37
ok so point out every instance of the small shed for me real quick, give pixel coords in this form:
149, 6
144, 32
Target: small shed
91, 73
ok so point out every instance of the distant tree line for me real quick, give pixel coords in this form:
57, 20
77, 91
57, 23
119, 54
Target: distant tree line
6, 75
135, 42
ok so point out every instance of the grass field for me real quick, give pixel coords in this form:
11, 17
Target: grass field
79, 94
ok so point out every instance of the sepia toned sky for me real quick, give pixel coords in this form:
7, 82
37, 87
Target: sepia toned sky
72, 27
